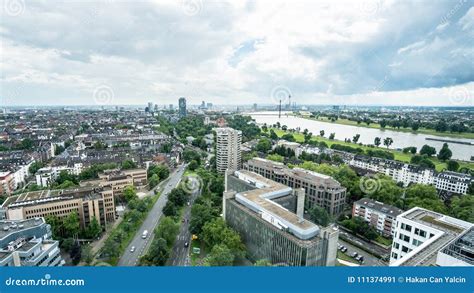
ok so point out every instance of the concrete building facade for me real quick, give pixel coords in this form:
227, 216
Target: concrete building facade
321, 190
228, 149
269, 217
377, 214
28, 243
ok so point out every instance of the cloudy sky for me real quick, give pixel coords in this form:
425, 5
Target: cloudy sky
237, 52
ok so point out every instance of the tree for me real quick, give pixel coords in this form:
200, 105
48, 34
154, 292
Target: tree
377, 141
425, 196
34, 167
128, 164
71, 225
200, 215
167, 229
321, 133
355, 138
153, 181
170, 209
453, 165
264, 145
319, 216
93, 230
76, 253
216, 232
423, 161
193, 165
388, 142
275, 157
220, 255
427, 150
307, 137
273, 135
288, 137
383, 123
265, 128
332, 135
26, 144
445, 153
461, 207
129, 193
158, 253
166, 148
87, 255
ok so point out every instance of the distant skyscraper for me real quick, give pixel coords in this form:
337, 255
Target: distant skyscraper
209, 106
150, 107
255, 107
228, 149
182, 107
171, 107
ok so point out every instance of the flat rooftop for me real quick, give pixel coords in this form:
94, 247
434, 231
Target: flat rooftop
44, 196
379, 206
449, 228
9, 226
260, 201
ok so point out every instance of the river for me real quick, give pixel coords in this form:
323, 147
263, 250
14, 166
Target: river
367, 135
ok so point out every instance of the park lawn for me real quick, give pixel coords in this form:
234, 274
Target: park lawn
399, 156
377, 126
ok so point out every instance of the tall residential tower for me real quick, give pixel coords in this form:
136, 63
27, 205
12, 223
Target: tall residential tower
228, 149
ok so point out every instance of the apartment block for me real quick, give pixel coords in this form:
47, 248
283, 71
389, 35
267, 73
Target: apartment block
420, 236
28, 243
87, 202
228, 149
269, 217
377, 214
321, 190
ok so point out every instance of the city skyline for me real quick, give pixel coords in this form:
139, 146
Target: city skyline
368, 53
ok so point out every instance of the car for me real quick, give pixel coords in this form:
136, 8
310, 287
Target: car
360, 258
145, 234
132, 249
186, 244
189, 203
354, 254
344, 249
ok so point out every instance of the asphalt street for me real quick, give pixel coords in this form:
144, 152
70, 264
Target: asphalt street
180, 253
369, 259
141, 245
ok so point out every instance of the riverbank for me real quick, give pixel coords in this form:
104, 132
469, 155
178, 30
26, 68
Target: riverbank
377, 126
399, 156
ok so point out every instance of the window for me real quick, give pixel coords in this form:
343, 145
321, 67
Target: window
394, 255
405, 249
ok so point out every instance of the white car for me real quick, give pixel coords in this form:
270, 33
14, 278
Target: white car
132, 249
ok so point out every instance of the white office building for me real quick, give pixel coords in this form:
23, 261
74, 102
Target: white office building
228, 149
420, 236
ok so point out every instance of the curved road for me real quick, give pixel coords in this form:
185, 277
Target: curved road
141, 245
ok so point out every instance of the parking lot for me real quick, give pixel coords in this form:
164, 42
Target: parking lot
369, 259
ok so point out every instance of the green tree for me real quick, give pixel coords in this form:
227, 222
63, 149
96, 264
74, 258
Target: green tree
462, 207
453, 165
170, 209
377, 141
158, 253
220, 255
445, 153
427, 150
273, 135
332, 135
167, 229
193, 165
35, 166
200, 215
321, 133
93, 230
153, 181
128, 164
275, 157
319, 216
216, 232
87, 255
387, 142
71, 225
129, 193
424, 196
264, 145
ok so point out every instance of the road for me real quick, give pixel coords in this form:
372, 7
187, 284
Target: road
372, 247
180, 253
141, 245
369, 259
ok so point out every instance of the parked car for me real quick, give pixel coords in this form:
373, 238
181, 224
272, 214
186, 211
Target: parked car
186, 244
344, 249
360, 258
132, 249
354, 254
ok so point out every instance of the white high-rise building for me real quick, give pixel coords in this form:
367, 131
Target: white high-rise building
426, 238
228, 149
